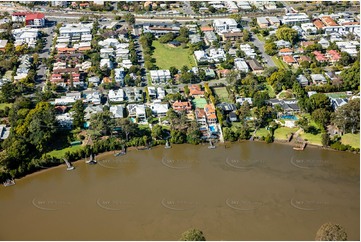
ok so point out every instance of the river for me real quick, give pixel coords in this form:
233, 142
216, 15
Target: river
250, 191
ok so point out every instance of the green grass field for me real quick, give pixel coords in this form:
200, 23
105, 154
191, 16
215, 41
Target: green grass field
312, 139
222, 93
262, 132
351, 139
279, 63
167, 56
3, 105
336, 95
282, 132
270, 91
60, 153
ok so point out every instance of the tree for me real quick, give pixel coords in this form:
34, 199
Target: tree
193, 133
246, 35
129, 18
128, 127
78, 115
166, 38
331, 232
270, 48
351, 76
8, 92
287, 33
173, 70
259, 99
347, 117
157, 132
325, 139
193, 235
320, 100
321, 116
345, 59
102, 122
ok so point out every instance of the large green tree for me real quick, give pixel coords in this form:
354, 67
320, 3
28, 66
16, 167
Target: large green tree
287, 33
331, 232
347, 117
193, 235
78, 114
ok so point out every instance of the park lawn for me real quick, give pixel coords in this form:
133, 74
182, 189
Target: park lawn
167, 56
262, 132
222, 93
312, 139
282, 132
60, 153
351, 139
3, 105
271, 91
279, 63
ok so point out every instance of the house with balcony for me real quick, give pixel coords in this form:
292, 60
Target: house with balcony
116, 96
179, 106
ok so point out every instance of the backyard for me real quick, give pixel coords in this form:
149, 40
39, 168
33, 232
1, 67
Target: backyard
60, 153
222, 93
283, 133
167, 56
351, 139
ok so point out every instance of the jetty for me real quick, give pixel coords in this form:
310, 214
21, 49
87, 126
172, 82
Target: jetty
9, 182
301, 146
122, 152
211, 145
91, 160
69, 165
167, 145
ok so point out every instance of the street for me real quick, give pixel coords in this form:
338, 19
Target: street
260, 46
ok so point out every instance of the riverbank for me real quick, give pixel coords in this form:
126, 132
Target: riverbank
107, 153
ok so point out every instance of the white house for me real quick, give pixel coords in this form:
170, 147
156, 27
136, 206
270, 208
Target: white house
200, 56
217, 55
119, 75
241, 65
116, 96
159, 76
117, 111
93, 98
225, 25
159, 109
295, 18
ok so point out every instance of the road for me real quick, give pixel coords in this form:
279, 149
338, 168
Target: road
45, 53
260, 46
187, 9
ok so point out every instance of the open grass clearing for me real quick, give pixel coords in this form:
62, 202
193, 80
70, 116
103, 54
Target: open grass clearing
222, 93
351, 139
167, 56
282, 133
60, 153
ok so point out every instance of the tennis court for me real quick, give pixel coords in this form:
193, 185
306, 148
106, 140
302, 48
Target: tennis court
199, 102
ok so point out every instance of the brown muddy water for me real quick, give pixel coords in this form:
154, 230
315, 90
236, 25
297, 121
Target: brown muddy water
251, 191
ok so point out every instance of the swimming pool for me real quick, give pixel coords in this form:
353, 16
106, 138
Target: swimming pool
212, 129
292, 117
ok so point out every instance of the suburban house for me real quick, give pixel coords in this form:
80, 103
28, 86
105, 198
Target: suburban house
265, 22
159, 109
289, 106
318, 79
161, 28
195, 91
289, 59
137, 111
200, 116
116, 96
200, 56
282, 44
338, 102
333, 56
182, 106
285, 51
210, 112
209, 37
232, 36
93, 98
248, 51
241, 65
117, 111
30, 19
225, 25
302, 80
159, 76
3, 43
295, 18
256, 67
241, 100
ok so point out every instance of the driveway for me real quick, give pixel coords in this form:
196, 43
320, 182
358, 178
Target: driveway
260, 45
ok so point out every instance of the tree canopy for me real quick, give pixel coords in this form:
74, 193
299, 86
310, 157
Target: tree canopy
193, 235
331, 232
